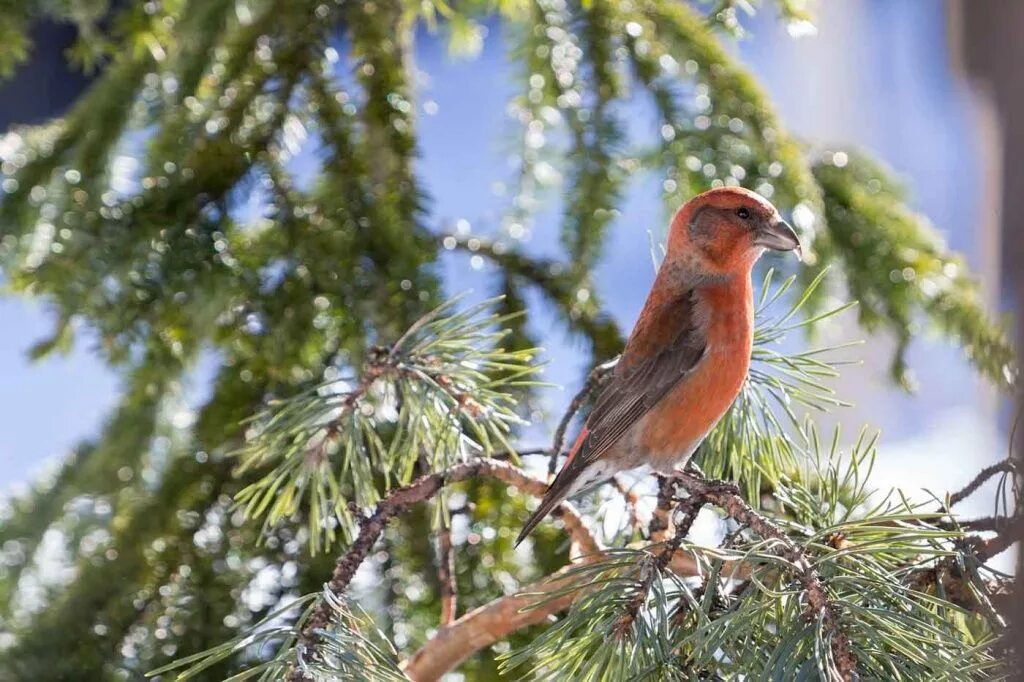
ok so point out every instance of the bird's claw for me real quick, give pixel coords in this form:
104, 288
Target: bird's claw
721, 487
706, 485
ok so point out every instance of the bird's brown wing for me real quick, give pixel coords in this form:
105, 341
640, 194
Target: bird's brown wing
664, 347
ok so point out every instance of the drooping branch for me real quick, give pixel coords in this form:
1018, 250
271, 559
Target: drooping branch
553, 279
420, 490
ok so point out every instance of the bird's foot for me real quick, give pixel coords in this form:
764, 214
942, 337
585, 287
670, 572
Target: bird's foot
721, 487
696, 482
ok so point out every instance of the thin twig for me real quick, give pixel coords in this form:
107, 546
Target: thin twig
686, 510
995, 524
984, 475
505, 455
372, 527
1009, 531
658, 526
446, 573
595, 379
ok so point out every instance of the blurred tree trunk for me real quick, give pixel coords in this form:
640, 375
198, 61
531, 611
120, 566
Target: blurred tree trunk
988, 33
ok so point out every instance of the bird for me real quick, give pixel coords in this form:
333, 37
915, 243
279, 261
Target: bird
688, 354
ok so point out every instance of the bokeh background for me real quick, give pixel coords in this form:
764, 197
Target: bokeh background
894, 78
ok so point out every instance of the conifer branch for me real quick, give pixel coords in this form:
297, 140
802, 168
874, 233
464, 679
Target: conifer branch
532, 604
372, 527
822, 606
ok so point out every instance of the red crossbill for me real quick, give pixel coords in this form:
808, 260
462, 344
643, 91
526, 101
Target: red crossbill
689, 352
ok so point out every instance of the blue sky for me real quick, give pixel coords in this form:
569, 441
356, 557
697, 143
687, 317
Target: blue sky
878, 76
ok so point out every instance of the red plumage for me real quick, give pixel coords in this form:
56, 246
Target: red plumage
689, 352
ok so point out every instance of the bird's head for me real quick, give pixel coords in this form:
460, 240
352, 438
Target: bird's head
725, 231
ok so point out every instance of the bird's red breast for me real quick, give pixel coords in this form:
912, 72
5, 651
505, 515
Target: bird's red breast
682, 418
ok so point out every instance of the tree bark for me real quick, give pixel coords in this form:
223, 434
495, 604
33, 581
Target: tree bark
495, 621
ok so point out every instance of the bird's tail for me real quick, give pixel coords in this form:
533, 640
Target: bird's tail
552, 498
559, 489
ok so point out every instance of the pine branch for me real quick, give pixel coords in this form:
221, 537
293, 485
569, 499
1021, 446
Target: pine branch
439, 390
822, 606
372, 527
499, 619
872, 233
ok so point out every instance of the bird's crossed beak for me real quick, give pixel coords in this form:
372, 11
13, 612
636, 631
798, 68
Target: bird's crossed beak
779, 236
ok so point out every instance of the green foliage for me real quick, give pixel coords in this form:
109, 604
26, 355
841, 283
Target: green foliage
124, 218
749, 614
758, 440
440, 393
18, 15
872, 233
352, 647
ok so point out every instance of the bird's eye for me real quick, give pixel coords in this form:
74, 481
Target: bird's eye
743, 213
